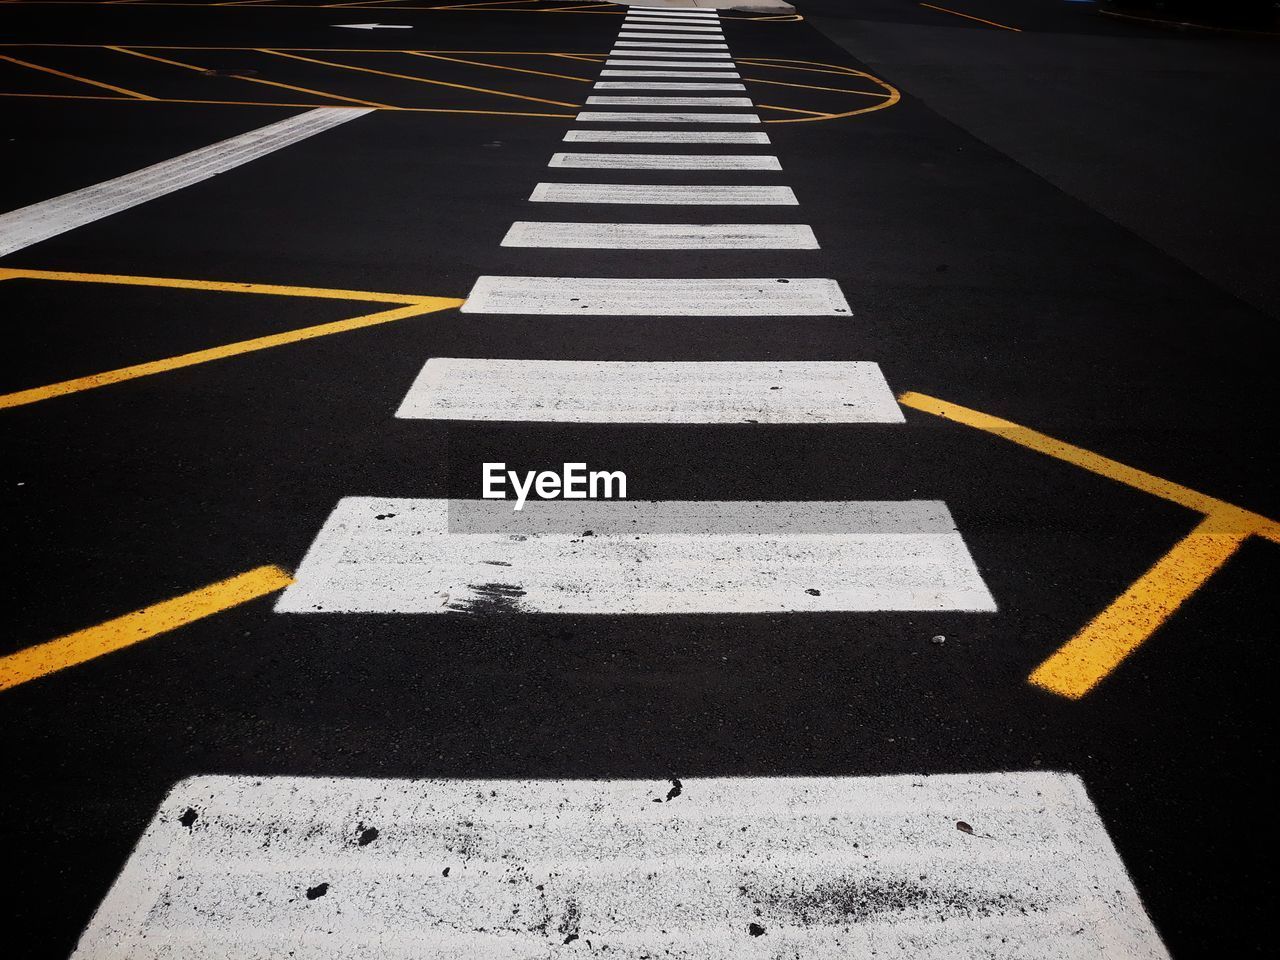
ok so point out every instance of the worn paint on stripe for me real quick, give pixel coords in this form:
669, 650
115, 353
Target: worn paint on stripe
674, 29
380, 555
662, 236
712, 868
663, 85
675, 74
664, 161
595, 391
639, 116
675, 37
673, 46
665, 136
625, 101
40, 221
31, 663
664, 194
673, 54
657, 297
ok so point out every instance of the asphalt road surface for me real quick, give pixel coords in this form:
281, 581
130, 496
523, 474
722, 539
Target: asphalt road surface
936, 345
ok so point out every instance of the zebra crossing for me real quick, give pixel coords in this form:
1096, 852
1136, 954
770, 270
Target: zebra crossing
405, 555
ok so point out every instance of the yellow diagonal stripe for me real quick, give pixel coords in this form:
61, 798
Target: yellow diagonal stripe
93, 381
1082, 662
84, 645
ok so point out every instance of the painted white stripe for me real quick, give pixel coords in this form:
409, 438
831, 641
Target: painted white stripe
690, 12
664, 194
645, 19
49, 218
635, 35
607, 101
672, 46
591, 391
824, 867
664, 161
662, 236
665, 136
669, 27
668, 53
657, 297
713, 75
700, 65
663, 85
602, 116
380, 555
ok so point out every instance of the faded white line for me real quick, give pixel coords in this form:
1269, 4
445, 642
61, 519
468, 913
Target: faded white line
657, 297
603, 116
664, 194
664, 161
665, 136
29, 225
663, 85
713, 868
385, 555
594, 391
625, 101
662, 236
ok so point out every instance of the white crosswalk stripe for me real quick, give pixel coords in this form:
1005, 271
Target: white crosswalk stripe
388, 555
675, 74
637, 101
689, 65
637, 35
595, 391
658, 297
662, 236
820, 867
665, 136
614, 116
664, 194
664, 161
663, 85
650, 45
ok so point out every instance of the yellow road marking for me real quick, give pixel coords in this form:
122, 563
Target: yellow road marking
957, 13
269, 83
809, 86
1095, 463
497, 66
812, 113
407, 76
1092, 654
216, 286
71, 76
93, 642
420, 306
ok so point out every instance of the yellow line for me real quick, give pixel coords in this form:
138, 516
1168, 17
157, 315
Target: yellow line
807, 86
36, 394
1246, 520
957, 13
406, 76
71, 76
812, 113
85, 645
269, 83
588, 58
498, 66
217, 286
1093, 653
487, 3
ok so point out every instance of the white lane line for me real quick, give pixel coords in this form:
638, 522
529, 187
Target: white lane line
592, 391
649, 45
700, 65
670, 73
665, 136
723, 868
382, 555
664, 161
662, 236
658, 297
608, 101
664, 194
663, 85
49, 218
602, 116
